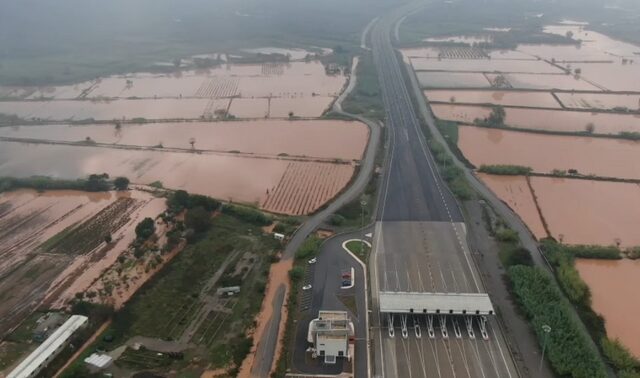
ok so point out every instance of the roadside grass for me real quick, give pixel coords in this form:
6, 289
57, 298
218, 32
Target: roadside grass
361, 250
11, 352
366, 98
349, 300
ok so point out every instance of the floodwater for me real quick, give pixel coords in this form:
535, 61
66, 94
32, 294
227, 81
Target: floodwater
515, 192
599, 100
227, 177
538, 81
485, 65
590, 212
313, 138
562, 120
594, 40
505, 98
469, 39
543, 152
460, 113
315, 106
294, 54
452, 80
562, 53
614, 295
612, 76
121, 109
249, 107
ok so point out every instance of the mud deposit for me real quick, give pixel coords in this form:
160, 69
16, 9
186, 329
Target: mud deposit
613, 285
45, 237
544, 153
515, 192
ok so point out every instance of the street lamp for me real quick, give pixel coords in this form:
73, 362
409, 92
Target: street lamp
363, 203
546, 329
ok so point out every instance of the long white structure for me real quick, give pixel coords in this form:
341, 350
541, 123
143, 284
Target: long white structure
435, 303
49, 349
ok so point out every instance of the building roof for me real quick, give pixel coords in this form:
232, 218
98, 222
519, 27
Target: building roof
332, 315
38, 357
436, 303
98, 360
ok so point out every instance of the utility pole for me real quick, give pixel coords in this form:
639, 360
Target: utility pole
546, 329
363, 203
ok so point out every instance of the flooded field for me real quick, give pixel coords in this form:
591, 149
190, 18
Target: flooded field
545, 82
468, 39
452, 80
315, 106
544, 153
485, 65
505, 98
619, 277
62, 110
249, 107
589, 212
595, 41
613, 76
515, 192
543, 119
35, 264
313, 138
605, 101
460, 113
228, 177
441, 53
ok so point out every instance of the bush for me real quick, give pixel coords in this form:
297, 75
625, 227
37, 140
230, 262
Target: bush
518, 256
198, 219
618, 355
308, 248
121, 183
507, 235
337, 220
505, 169
569, 349
145, 228
296, 273
593, 252
247, 214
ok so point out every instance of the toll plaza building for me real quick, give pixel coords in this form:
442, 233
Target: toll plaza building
330, 335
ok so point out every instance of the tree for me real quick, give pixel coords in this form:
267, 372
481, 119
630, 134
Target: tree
145, 228
179, 200
108, 239
198, 219
121, 183
590, 128
290, 114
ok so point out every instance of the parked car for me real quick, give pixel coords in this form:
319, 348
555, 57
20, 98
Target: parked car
313, 260
306, 287
346, 283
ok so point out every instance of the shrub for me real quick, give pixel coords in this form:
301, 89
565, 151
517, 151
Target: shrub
198, 219
518, 256
296, 273
337, 220
618, 355
569, 349
505, 169
121, 183
507, 235
145, 228
308, 248
247, 214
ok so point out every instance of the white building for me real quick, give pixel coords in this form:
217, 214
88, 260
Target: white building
330, 334
98, 361
49, 349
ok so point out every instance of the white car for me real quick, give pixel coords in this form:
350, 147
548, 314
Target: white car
306, 287
313, 260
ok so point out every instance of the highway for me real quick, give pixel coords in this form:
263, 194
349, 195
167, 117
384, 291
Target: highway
420, 243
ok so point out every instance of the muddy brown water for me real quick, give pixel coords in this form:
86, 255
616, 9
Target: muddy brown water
590, 212
599, 100
614, 295
485, 65
505, 98
313, 138
544, 153
545, 119
452, 80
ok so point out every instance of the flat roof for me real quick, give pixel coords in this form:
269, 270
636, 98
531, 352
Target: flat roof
435, 303
38, 357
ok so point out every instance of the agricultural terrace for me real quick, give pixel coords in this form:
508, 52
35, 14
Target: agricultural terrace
267, 90
54, 241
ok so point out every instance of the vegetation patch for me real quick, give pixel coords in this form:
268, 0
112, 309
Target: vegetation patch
505, 169
366, 98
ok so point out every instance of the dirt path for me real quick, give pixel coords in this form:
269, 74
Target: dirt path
270, 323
83, 347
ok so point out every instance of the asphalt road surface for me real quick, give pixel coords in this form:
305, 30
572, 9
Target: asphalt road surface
420, 244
